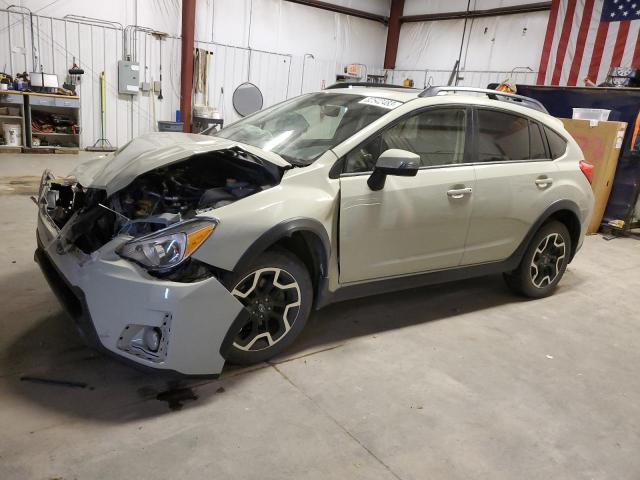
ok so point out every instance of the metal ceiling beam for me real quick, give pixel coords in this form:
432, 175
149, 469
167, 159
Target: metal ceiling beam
340, 9
493, 12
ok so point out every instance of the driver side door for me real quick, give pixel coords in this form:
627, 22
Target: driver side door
413, 224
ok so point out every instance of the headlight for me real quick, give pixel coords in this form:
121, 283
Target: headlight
169, 247
46, 176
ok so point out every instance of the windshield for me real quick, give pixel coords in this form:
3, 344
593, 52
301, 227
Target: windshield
302, 129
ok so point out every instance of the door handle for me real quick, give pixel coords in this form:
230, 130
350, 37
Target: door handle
544, 182
459, 192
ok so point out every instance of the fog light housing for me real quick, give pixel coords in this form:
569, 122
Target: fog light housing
147, 341
152, 337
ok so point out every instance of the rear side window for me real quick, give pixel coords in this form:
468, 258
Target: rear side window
557, 144
538, 151
502, 137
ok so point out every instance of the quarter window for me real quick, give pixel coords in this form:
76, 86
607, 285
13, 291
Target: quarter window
437, 135
557, 144
502, 137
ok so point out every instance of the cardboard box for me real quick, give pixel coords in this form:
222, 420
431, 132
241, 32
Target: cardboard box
600, 142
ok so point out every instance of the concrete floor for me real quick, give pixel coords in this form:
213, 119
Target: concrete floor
451, 382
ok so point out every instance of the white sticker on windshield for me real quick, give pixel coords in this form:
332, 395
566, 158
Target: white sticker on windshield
381, 102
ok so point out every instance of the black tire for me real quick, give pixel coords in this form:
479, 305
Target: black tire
541, 268
267, 304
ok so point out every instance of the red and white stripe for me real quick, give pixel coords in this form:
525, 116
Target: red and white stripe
578, 45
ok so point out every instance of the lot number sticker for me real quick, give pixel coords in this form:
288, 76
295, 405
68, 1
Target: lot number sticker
381, 102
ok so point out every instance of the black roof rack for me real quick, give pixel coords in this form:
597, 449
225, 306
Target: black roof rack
364, 84
492, 94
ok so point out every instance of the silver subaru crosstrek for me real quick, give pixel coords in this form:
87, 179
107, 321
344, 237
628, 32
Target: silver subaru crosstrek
181, 251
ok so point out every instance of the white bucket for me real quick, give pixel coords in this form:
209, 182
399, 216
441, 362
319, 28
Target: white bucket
12, 134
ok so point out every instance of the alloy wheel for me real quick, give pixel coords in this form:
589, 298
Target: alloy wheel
547, 260
272, 298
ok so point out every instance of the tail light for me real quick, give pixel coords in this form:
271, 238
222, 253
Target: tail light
587, 169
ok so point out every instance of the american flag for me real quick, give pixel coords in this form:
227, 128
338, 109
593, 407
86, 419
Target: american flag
586, 37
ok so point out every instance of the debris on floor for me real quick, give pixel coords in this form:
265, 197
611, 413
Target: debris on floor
50, 381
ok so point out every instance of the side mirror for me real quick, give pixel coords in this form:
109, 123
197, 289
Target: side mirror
393, 162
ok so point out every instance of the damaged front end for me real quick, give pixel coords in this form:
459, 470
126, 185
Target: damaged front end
157, 215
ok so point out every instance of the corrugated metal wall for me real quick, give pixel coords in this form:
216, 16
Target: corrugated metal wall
97, 48
230, 66
279, 76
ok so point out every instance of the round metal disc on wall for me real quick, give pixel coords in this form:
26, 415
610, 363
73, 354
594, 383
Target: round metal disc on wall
247, 99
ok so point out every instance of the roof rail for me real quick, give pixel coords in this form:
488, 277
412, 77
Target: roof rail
363, 84
492, 94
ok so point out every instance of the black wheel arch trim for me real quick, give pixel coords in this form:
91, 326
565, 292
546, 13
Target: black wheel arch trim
321, 247
554, 208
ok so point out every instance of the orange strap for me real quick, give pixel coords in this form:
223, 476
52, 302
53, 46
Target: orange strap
636, 129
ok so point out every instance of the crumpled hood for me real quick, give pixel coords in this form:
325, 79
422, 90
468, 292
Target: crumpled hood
116, 170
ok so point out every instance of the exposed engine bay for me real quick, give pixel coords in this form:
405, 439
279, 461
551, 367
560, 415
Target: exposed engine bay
158, 198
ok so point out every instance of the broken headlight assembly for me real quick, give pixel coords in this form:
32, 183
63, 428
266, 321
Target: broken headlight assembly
166, 249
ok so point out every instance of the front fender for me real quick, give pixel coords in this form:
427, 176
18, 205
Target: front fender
305, 200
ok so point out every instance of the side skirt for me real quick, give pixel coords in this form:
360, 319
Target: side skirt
377, 287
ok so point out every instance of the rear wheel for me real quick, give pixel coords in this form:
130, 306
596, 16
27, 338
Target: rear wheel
544, 262
277, 293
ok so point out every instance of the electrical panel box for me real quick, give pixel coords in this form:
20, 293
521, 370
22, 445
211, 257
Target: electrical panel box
128, 77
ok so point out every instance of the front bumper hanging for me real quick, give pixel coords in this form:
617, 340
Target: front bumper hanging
117, 307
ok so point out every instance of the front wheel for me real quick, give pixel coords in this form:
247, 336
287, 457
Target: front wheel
544, 262
277, 293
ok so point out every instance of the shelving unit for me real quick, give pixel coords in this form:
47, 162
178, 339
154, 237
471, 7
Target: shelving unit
52, 104
13, 100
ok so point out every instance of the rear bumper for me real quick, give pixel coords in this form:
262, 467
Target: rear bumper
109, 299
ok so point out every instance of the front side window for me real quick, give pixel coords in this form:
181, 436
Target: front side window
502, 137
437, 135
302, 129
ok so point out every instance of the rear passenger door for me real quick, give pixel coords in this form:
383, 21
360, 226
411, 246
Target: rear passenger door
514, 183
